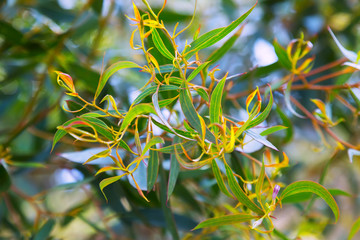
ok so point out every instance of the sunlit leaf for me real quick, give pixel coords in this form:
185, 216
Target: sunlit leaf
191, 114
282, 55
151, 90
135, 111
107, 181
263, 115
110, 71
215, 102
354, 229
272, 129
203, 94
155, 140
313, 187
219, 179
225, 220
260, 182
212, 37
220, 52
159, 44
239, 193
197, 71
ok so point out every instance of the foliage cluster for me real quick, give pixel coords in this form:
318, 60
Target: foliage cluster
181, 128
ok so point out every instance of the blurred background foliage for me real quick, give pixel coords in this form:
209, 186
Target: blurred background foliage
52, 196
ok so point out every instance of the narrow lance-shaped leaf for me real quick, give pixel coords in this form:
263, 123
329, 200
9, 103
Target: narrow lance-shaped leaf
220, 52
215, 102
107, 181
174, 171
272, 129
159, 44
282, 55
160, 115
197, 71
203, 94
260, 182
216, 35
110, 71
313, 187
136, 111
152, 90
225, 220
152, 169
152, 142
45, 230
219, 179
354, 229
191, 114
5, 181
239, 193
262, 116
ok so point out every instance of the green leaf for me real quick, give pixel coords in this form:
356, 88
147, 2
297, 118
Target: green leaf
167, 68
182, 133
174, 171
191, 114
282, 55
159, 44
260, 182
166, 208
212, 37
220, 52
312, 187
219, 179
152, 169
45, 230
272, 129
239, 193
203, 94
171, 149
155, 101
152, 90
215, 101
135, 111
110, 71
5, 181
152, 142
194, 73
262, 116
27, 164
225, 220
305, 196
107, 181
354, 229
98, 125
